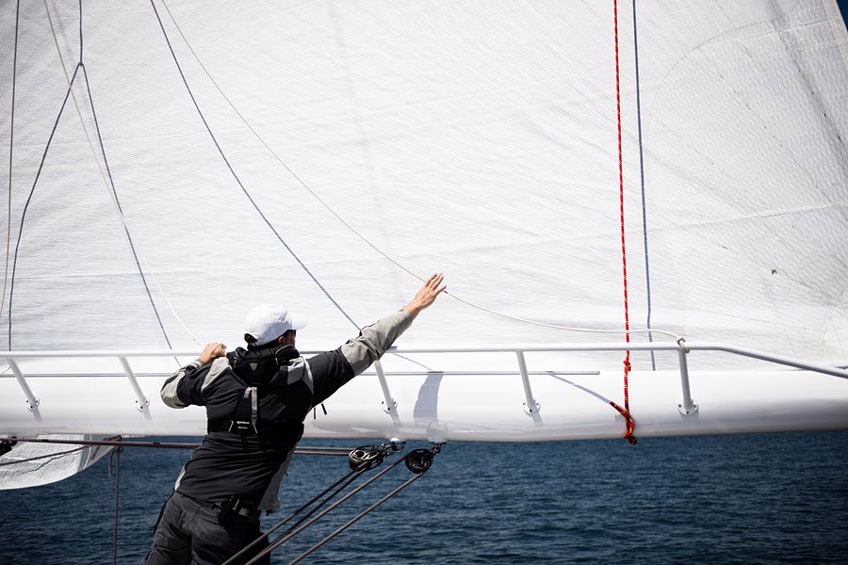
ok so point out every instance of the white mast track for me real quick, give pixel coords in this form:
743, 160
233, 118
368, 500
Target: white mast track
89, 392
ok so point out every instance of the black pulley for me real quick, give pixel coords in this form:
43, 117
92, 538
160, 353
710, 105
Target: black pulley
418, 460
365, 457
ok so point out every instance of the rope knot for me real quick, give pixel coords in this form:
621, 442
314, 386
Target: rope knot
631, 422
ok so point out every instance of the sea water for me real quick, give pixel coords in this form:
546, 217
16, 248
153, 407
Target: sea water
769, 498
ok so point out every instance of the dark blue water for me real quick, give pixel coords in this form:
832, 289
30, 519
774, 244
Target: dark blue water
776, 498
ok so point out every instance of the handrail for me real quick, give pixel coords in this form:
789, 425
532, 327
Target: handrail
471, 348
683, 348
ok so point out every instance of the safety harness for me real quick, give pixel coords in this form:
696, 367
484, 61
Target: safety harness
254, 368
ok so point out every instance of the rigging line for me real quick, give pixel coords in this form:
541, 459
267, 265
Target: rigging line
289, 535
28, 200
11, 151
299, 450
337, 486
355, 519
642, 182
280, 160
117, 454
628, 331
113, 194
364, 464
47, 456
121, 212
286, 167
359, 234
107, 181
238, 180
625, 412
107, 175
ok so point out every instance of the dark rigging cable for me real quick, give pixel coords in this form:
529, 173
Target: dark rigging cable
79, 65
117, 454
333, 490
38, 457
238, 180
642, 177
355, 519
296, 529
11, 160
299, 450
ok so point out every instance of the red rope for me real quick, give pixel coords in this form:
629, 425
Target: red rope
625, 412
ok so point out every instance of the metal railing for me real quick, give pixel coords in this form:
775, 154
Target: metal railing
683, 348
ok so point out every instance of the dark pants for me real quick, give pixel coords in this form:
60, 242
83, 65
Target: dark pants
188, 532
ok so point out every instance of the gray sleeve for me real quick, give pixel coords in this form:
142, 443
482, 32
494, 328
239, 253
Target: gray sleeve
169, 389
374, 340
186, 385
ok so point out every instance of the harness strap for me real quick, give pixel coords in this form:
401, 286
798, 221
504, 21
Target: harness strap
260, 428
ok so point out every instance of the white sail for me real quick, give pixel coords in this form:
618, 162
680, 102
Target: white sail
324, 155
35, 464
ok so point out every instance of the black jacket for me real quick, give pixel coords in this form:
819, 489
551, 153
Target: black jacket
251, 434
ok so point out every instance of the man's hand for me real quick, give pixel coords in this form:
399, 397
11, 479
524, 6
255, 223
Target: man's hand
427, 294
212, 351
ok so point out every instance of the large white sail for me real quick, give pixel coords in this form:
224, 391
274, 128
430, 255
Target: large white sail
171, 164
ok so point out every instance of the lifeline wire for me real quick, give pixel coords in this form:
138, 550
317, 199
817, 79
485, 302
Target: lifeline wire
38, 457
300, 450
353, 230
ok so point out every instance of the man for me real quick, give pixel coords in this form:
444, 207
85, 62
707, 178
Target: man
256, 400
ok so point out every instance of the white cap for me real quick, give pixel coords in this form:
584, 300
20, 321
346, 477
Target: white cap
267, 322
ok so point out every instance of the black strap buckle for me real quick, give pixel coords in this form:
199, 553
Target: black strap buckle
243, 428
